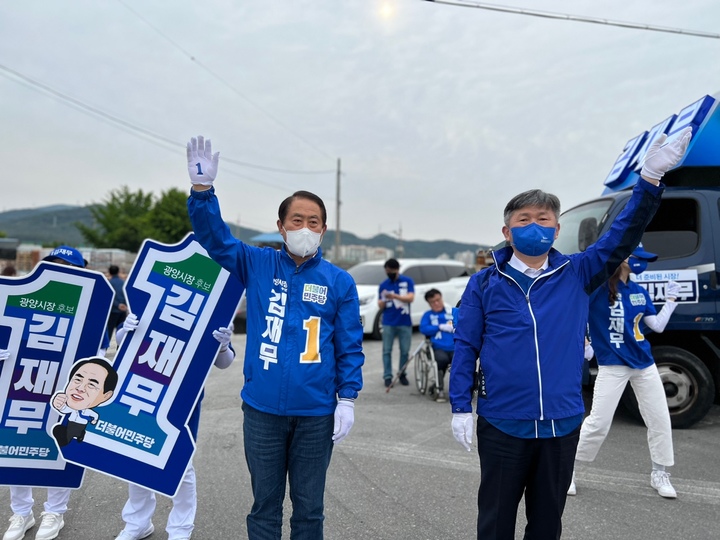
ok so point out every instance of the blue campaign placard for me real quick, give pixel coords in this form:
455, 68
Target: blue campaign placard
48, 320
140, 435
703, 116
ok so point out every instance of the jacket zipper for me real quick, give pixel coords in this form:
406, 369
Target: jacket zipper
535, 329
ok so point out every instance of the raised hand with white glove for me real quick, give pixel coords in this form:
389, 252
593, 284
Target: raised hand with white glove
344, 419
225, 355
672, 290
462, 426
129, 325
202, 163
4, 355
660, 159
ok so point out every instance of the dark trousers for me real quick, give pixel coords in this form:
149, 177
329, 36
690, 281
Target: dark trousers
115, 320
540, 468
442, 359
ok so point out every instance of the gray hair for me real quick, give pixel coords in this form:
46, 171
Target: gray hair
533, 197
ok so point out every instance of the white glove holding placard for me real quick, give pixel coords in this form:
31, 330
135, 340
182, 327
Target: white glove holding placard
344, 419
660, 159
202, 163
446, 327
462, 426
130, 324
4, 355
672, 290
223, 335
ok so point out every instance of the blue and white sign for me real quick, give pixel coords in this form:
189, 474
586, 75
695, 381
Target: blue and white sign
48, 319
654, 281
704, 118
179, 296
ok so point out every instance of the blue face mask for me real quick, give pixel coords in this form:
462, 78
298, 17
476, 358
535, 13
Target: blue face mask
533, 240
637, 266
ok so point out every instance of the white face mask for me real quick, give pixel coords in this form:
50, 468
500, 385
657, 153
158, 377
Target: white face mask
303, 242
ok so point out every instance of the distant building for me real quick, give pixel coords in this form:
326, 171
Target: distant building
354, 254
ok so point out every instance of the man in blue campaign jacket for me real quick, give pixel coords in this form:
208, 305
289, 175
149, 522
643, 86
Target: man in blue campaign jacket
303, 356
525, 319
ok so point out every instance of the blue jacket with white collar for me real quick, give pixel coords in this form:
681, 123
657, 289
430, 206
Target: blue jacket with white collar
304, 337
531, 345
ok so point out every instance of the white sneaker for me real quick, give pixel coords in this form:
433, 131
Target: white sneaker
19, 526
572, 490
124, 535
660, 480
49, 526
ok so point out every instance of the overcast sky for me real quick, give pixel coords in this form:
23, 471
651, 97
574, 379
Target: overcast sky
439, 114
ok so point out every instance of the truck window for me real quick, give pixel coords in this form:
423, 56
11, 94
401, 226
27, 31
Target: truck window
674, 231
579, 226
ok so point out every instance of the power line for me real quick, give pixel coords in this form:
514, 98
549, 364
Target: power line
129, 127
217, 77
576, 18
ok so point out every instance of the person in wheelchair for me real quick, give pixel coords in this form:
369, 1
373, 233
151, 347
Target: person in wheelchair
437, 325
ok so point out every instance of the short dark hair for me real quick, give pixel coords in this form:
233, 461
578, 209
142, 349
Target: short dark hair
392, 264
113, 270
533, 197
112, 376
431, 293
285, 205
9, 270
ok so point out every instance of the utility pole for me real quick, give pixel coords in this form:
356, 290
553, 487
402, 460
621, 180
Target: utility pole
336, 250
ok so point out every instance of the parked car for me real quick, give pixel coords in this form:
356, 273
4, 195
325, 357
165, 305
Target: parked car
449, 277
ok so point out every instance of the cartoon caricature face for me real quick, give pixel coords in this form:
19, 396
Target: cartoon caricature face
85, 388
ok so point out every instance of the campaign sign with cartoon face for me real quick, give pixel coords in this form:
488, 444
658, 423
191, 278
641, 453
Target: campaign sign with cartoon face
140, 433
48, 319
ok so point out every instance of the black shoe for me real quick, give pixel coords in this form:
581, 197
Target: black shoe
388, 383
403, 380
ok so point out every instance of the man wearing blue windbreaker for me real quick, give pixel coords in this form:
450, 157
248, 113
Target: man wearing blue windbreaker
303, 355
525, 319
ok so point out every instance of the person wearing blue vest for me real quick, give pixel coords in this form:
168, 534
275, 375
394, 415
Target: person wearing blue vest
437, 324
141, 503
395, 295
21, 499
619, 310
303, 354
525, 318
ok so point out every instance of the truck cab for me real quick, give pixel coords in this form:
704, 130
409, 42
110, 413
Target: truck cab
685, 234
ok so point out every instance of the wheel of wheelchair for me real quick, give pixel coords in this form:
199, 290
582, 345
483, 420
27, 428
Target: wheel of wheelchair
421, 369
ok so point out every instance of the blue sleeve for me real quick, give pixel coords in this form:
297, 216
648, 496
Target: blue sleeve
469, 332
601, 259
411, 285
348, 338
214, 235
425, 327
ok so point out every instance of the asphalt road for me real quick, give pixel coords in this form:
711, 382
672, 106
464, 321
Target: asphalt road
401, 475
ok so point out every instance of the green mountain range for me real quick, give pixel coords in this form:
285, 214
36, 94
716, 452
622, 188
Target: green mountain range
54, 225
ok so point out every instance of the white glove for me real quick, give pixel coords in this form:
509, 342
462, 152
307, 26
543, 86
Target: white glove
202, 163
130, 324
462, 426
344, 419
446, 327
672, 290
4, 355
223, 335
660, 159
589, 352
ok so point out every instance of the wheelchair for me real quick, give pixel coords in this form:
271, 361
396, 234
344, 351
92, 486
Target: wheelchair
426, 371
